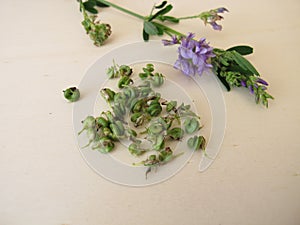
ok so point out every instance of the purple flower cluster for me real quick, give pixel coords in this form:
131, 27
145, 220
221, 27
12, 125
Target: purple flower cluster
211, 17
255, 85
193, 57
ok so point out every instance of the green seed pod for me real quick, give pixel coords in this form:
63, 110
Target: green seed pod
159, 143
196, 142
102, 122
135, 149
117, 128
119, 110
171, 106
105, 145
134, 117
138, 105
175, 133
154, 109
107, 94
157, 80
125, 70
72, 94
112, 72
191, 125
109, 116
145, 91
124, 81
155, 128
165, 155
130, 133
88, 122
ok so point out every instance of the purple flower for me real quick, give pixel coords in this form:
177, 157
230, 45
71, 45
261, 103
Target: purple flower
174, 41
243, 83
211, 17
261, 81
193, 55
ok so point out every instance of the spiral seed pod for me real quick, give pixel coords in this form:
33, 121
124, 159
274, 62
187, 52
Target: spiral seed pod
109, 116
191, 125
137, 105
154, 109
155, 128
117, 128
171, 106
104, 145
159, 143
125, 70
196, 142
107, 94
87, 123
102, 122
135, 149
157, 80
175, 133
124, 81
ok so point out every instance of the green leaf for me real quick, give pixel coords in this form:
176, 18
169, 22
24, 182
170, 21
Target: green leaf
168, 18
150, 28
90, 6
163, 11
242, 49
145, 35
161, 5
100, 4
243, 63
224, 82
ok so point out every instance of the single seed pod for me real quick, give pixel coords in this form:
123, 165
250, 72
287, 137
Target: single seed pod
135, 149
138, 106
159, 143
196, 142
191, 125
125, 70
88, 122
117, 128
134, 117
171, 106
157, 80
175, 133
102, 122
154, 109
155, 128
106, 145
124, 81
107, 94
72, 94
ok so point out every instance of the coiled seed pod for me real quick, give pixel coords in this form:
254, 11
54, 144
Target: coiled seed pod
107, 94
191, 125
102, 122
124, 81
196, 142
157, 80
175, 133
154, 109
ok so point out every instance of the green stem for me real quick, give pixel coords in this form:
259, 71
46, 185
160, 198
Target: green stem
189, 17
169, 30
122, 9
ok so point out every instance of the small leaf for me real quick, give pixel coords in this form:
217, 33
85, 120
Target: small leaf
100, 4
161, 5
163, 11
145, 35
244, 63
150, 28
242, 49
168, 18
89, 6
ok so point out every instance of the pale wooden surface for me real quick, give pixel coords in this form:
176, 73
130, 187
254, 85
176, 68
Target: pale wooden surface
43, 179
